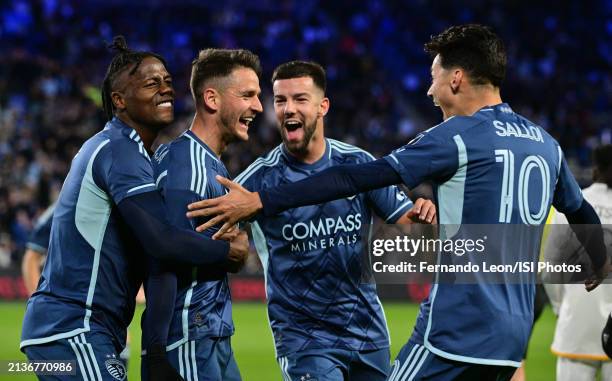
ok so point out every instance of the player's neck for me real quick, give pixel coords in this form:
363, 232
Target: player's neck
481, 97
147, 135
475, 99
209, 133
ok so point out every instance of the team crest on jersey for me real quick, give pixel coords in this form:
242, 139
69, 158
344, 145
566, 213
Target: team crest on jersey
116, 369
161, 152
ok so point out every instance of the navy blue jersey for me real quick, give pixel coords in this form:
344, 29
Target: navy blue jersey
185, 171
92, 273
494, 167
312, 257
39, 237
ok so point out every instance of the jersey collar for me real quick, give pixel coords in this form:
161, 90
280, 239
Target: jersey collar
300, 164
201, 142
118, 123
500, 107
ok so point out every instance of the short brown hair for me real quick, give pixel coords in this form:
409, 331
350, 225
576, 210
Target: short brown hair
218, 63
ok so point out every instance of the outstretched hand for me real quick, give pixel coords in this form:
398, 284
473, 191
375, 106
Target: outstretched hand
237, 205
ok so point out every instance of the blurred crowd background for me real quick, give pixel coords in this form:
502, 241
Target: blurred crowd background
53, 57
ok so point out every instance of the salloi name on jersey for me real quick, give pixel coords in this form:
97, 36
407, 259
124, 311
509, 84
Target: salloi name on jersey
323, 233
519, 131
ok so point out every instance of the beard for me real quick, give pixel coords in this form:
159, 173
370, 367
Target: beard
301, 146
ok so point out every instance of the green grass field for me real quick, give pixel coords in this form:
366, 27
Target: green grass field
252, 342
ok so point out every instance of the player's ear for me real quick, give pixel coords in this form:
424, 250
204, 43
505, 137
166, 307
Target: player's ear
456, 79
118, 100
210, 98
324, 107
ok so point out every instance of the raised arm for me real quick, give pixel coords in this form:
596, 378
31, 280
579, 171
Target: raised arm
333, 183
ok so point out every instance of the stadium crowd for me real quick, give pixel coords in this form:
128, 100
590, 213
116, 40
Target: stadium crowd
54, 58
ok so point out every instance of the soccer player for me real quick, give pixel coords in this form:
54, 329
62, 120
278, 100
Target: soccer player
36, 250
327, 323
108, 213
488, 165
225, 89
580, 317
35, 255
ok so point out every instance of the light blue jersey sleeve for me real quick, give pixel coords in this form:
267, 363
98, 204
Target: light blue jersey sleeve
123, 169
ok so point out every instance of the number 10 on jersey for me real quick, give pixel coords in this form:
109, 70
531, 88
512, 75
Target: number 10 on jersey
509, 184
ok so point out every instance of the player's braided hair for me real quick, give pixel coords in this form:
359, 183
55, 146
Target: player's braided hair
474, 48
123, 59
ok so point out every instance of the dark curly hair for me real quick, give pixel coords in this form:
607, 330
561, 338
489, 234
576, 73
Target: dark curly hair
474, 48
124, 59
